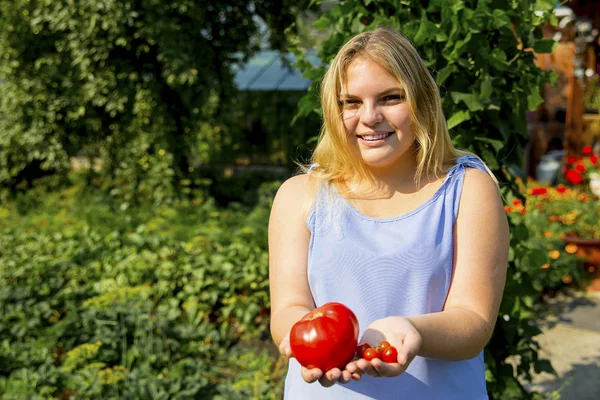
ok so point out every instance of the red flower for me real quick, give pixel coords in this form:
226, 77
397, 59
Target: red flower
594, 159
580, 167
366, 21
538, 191
508, 209
586, 150
517, 202
574, 177
571, 159
561, 188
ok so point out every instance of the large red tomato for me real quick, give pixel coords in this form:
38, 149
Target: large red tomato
326, 337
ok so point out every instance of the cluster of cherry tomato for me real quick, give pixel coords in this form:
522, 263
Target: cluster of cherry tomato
384, 351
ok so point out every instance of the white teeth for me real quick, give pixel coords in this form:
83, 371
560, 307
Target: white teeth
378, 136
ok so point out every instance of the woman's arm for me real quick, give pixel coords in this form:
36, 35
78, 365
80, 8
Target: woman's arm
291, 298
481, 247
289, 239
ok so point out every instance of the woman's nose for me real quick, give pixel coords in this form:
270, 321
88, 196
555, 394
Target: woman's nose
370, 114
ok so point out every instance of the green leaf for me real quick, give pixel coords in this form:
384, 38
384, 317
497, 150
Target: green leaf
441, 36
498, 59
500, 19
426, 33
444, 73
459, 48
458, 118
457, 6
357, 25
306, 105
538, 258
544, 5
470, 100
534, 100
545, 46
489, 157
486, 88
322, 23
495, 143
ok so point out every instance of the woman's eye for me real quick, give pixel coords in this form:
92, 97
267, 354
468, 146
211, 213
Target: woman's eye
350, 103
393, 97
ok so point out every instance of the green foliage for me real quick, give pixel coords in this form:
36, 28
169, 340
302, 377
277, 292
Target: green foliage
145, 302
135, 83
479, 53
592, 94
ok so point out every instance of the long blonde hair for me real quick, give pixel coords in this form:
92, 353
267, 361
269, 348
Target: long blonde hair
339, 164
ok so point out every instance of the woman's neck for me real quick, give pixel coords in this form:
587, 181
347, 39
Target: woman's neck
396, 178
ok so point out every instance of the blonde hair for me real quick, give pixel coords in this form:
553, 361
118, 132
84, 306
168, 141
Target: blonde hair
339, 163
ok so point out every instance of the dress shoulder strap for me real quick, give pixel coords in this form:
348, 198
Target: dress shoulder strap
312, 167
471, 161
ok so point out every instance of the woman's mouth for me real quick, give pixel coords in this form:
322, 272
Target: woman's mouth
376, 138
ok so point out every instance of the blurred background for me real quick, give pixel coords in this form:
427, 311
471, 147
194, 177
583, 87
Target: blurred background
142, 142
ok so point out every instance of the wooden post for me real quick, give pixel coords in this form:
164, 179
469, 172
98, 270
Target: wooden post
574, 118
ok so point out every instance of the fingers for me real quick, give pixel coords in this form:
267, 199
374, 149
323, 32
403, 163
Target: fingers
388, 369
348, 376
286, 351
284, 347
329, 378
311, 375
365, 367
351, 372
376, 368
352, 367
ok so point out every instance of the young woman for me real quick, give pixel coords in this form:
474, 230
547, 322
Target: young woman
394, 222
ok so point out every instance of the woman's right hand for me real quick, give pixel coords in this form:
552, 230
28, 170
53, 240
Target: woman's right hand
311, 375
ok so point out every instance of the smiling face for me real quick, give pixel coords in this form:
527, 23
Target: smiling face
376, 115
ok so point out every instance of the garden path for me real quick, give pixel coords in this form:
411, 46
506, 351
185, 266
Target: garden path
570, 339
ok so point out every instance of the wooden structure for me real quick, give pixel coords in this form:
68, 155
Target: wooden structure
561, 122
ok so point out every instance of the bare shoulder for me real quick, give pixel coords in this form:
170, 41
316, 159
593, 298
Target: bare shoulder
479, 186
480, 201
296, 188
295, 195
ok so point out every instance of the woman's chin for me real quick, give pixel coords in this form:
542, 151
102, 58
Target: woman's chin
378, 163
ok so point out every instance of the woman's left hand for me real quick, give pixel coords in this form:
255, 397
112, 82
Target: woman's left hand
401, 334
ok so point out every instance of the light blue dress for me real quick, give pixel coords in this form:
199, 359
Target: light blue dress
381, 267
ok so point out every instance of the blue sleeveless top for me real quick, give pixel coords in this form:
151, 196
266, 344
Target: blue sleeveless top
381, 267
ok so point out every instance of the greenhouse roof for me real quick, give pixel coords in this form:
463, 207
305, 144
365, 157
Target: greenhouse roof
266, 71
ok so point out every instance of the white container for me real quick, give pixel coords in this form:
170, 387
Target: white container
595, 183
547, 170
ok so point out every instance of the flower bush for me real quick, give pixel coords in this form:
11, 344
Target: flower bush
581, 169
563, 210
552, 214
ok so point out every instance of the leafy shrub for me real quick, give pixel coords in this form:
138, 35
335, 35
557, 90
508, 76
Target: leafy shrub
144, 302
121, 80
